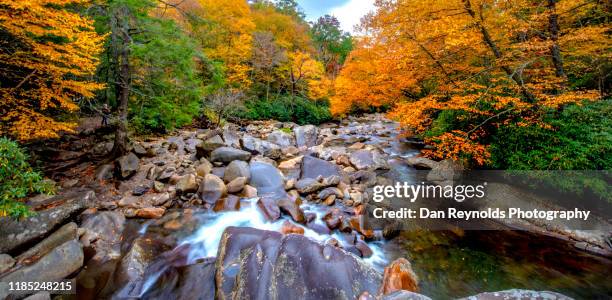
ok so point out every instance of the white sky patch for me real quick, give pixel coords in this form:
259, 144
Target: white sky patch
350, 13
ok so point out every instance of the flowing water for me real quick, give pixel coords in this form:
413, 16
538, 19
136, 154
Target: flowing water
449, 264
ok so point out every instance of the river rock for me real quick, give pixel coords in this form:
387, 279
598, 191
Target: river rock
362, 159
292, 208
306, 135
105, 229
187, 184
291, 168
290, 228
267, 179
206, 147
142, 252
195, 281
308, 185
57, 264
421, 162
236, 185
281, 138
150, 212
235, 169
313, 167
62, 235
329, 192
249, 192
6, 262
257, 146
518, 294
212, 189
104, 172
229, 203
445, 172
269, 208
257, 264
127, 165
16, 233
205, 167
399, 276
228, 154
231, 138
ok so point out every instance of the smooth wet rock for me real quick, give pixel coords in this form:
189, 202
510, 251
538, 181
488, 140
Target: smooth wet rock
236, 185
227, 155
212, 189
313, 167
306, 135
143, 251
519, 295
229, 203
257, 264
104, 229
249, 192
269, 208
16, 233
196, 281
127, 165
289, 228
64, 234
235, 169
405, 295
57, 264
281, 138
292, 208
399, 276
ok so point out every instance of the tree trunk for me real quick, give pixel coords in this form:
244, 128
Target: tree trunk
553, 27
486, 37
123, 84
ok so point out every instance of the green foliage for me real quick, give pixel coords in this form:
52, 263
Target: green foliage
287, 109
17, 180
167, 66
580, 139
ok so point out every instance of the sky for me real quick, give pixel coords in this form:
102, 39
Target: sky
348, 12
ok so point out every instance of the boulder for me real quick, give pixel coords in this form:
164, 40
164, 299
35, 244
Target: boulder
64, 234
362, 159
206, 147
289, 228
236, 185
57, 264
266, 179
306, 135
313, 167
281, 138
421, 162
212, 189
257, 146
257, 264
127, 165
249, 192
16, 233
228, 154
235, 169
187, 184
196, 281
176, 143
292, 208
399, 276
143, 251
308, 185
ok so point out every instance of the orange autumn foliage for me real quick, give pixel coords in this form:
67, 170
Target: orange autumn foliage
496, 62
47, 58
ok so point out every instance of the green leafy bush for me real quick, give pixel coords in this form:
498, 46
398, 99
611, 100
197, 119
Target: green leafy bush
17, 180
287, 109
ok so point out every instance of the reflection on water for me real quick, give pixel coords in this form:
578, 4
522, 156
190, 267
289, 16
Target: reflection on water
458, 264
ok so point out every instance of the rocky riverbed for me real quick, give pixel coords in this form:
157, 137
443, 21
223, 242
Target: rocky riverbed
268, 210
